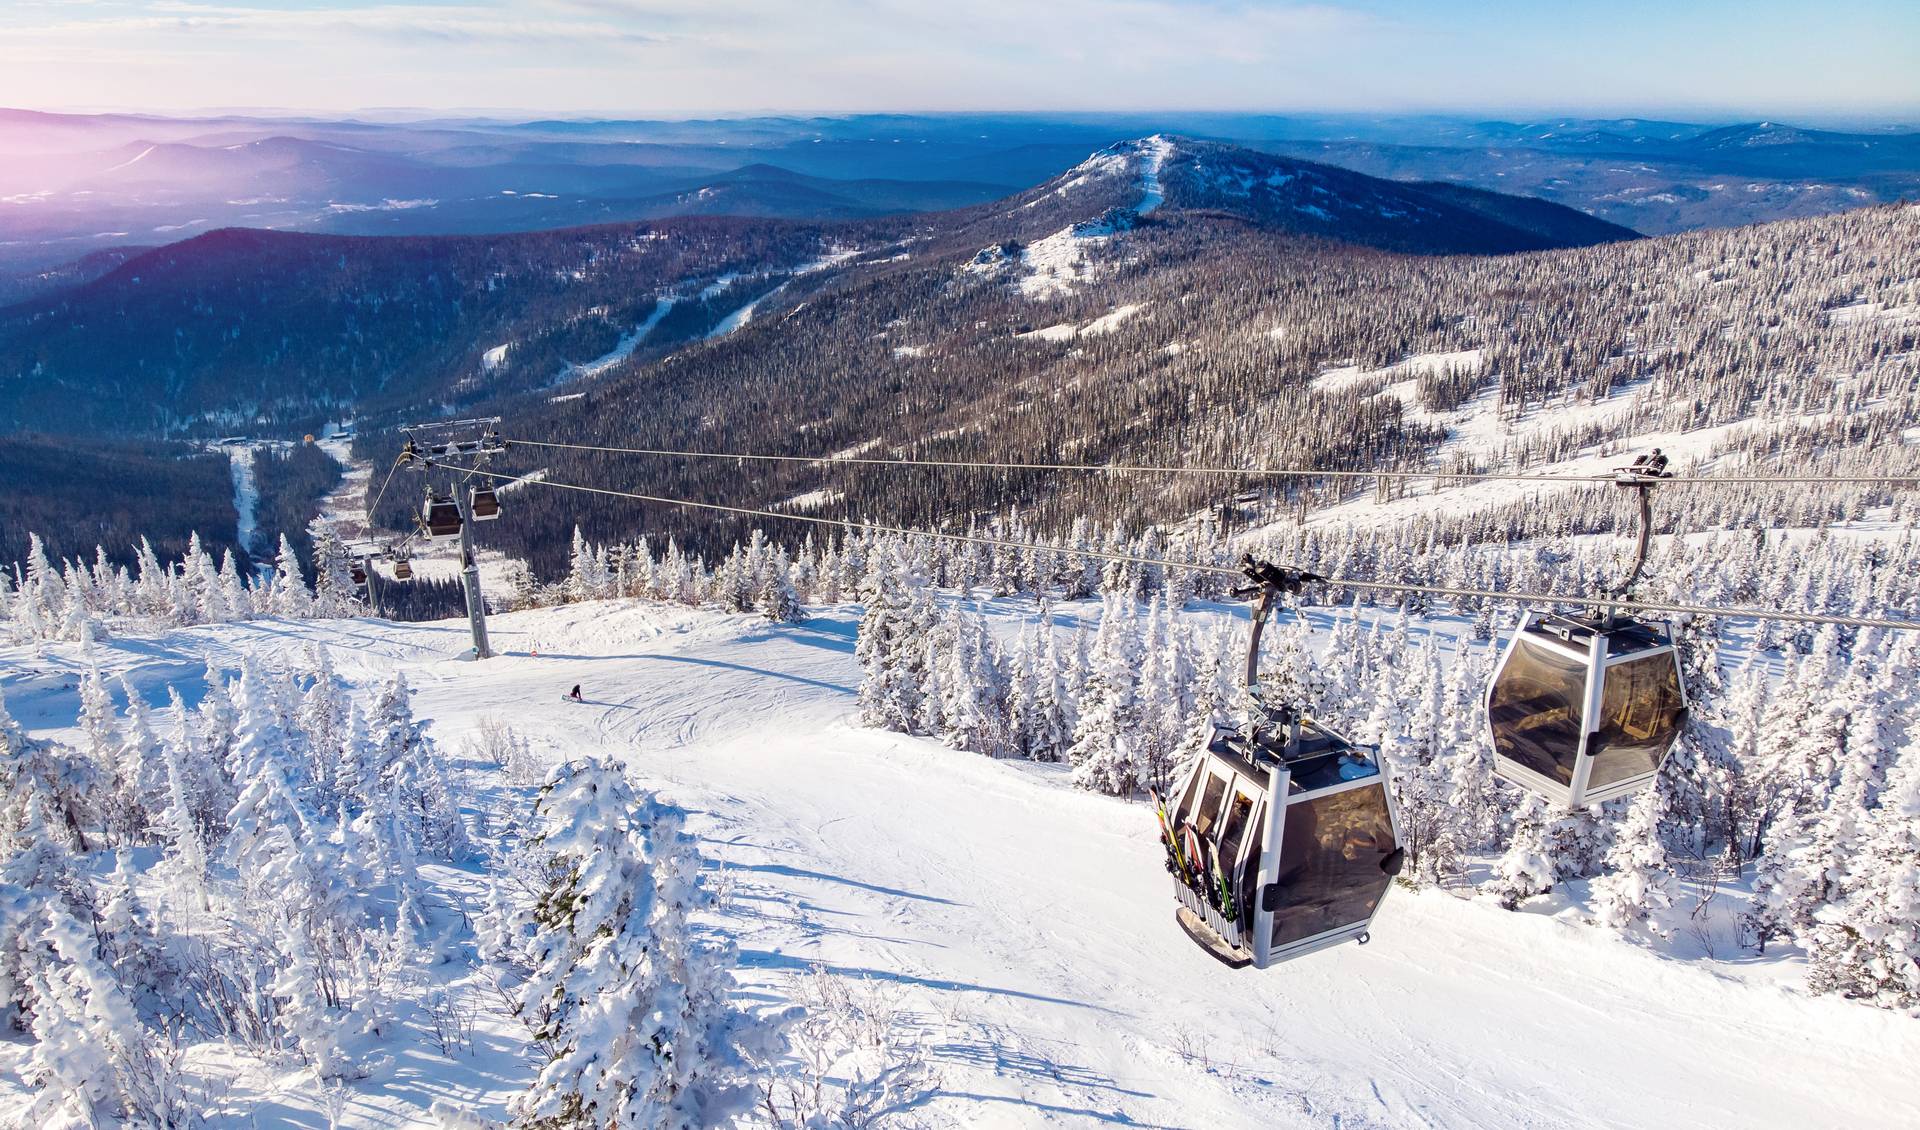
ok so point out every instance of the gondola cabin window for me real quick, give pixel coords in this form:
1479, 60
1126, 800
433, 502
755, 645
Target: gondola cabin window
1641, 710
1236, 826
1538, 709
1203, 820
1331, 850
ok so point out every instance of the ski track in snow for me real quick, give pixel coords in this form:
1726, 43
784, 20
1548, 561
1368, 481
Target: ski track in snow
1158, 149
1035, 920
621, 351
246, 500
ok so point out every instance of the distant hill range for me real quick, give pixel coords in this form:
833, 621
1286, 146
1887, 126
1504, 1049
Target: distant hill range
240, 330
71, 185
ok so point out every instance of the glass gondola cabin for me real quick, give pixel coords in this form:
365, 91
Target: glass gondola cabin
484, 504
440, 515
1583, 712
1281, 845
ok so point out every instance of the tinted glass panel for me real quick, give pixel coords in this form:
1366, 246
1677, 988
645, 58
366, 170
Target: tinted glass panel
1330, 853
1250, 875
1209, 805
1537, 710
1237, 818
1640, 715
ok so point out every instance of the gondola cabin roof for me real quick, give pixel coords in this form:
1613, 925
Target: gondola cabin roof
1313, 758
1624, 638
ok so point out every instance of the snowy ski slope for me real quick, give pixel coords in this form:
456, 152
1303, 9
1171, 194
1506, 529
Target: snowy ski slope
1029, 925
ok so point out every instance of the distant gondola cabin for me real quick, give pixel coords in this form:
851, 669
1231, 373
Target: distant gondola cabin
440, 515
484, 504
1584, 711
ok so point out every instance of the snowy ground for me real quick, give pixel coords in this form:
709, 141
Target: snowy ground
1029, 925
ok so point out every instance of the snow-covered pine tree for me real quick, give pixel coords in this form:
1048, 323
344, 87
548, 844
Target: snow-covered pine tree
633, 1019
141, 765
892, 644
1526, 868
1866, 944
971, 688
1221, 703
1638, 881
42, 787
92, 1059
778, 599
334, 593
309, 1016
290, 595
1022, 692
183, 864
1105, 752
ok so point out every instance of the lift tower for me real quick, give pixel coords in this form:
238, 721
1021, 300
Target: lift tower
451, 514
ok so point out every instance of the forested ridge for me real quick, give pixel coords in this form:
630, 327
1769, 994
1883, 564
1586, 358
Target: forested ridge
1198, 339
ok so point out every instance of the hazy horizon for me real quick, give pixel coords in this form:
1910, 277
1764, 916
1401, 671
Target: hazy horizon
1891, 121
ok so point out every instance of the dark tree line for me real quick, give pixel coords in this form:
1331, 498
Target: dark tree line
292, 482
241, 330
79, 495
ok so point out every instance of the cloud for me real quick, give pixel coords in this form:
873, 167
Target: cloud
163, 24
687, 57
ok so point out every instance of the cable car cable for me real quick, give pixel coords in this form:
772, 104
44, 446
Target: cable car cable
381, 493
1267, 472
1369, 586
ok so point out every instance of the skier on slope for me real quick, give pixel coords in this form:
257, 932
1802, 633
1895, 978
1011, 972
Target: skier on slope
574, 694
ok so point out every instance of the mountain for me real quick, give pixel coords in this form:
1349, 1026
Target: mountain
71, 184
240, 329
1140, 309
62, 276
1651, 176
1321, 200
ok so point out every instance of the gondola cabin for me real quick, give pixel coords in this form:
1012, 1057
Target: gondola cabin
440, 517
357, 573
1281, 844
1583, 711
484, 504
403, 569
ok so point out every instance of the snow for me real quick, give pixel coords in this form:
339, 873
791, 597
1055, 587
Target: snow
857, 449
1104, 324
744, 314
738, 318
814, 499
1156, 151
1875, 312
909, 351
1030, 924
246, 494
388, 205
1052, 265
1108, 322
493, 358
624, 348
1065, 331
1418, 365
131, 160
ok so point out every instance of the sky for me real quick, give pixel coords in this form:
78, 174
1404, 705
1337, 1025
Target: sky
676, 58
